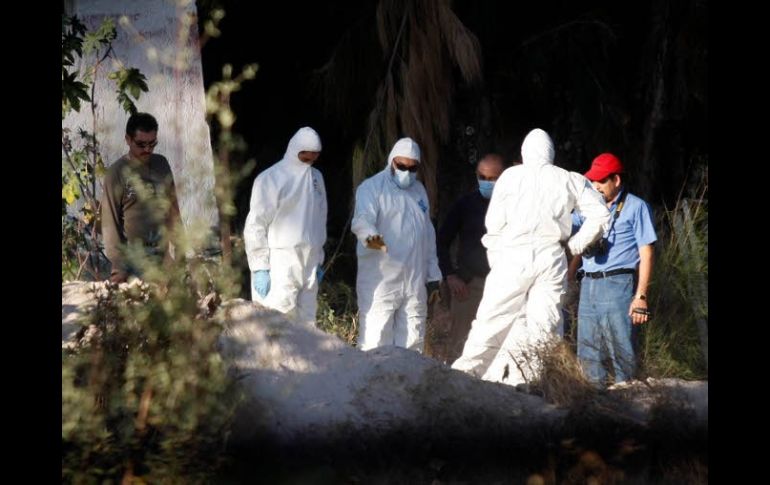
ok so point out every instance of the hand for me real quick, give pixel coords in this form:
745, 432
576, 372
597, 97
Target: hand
457, 287
375, 241
638, 311
319, 274
260, 280
433, 292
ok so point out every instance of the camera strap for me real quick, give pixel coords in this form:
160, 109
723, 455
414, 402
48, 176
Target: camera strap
618, 208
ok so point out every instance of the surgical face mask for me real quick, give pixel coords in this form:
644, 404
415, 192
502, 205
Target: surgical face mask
485, 187
404, 178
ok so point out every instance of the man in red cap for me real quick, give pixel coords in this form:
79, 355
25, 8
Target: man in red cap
616, 272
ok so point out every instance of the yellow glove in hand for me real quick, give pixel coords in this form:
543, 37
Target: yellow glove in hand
376, 242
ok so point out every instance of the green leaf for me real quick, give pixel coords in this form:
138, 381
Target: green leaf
103, 36
73, 91
100, 168
130, 82
126, 103
72, 39
132, 79
79, 158
70, 191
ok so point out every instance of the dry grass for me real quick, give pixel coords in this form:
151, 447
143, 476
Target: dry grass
437, 332
337, 311
562, 381
675, 343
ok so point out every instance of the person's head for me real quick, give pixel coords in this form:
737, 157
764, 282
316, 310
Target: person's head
304, 146
488, 170
605, 175
141, 135
403, 161
537, 148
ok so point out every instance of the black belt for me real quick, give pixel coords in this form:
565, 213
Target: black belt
604, 274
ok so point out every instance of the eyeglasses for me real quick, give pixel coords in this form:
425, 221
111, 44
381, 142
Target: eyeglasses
145, 144
406, 168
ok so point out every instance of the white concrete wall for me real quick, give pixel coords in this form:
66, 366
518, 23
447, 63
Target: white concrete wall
160, 38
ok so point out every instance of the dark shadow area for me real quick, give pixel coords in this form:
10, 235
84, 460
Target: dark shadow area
612, 451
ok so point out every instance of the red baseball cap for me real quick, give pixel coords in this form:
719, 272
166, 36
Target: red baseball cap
604, 165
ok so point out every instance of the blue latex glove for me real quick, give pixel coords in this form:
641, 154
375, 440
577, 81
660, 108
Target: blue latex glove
319, 274
260, 280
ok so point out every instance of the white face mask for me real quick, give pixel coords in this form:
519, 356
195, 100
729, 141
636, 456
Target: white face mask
404, 178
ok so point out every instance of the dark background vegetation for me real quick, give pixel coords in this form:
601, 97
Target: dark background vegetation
626, 77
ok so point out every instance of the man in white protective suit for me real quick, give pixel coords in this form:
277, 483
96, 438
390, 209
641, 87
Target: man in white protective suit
529, 220
397, 262
286, 229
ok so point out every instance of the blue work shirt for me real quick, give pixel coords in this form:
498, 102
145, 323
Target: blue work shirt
631, 230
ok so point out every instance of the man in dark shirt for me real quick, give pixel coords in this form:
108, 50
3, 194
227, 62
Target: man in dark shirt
465, 279
139, 199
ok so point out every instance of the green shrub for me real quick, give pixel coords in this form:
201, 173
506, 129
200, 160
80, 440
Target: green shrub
145, 393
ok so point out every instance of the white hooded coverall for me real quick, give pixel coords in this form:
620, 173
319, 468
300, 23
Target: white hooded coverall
286, 229
392, 299
529, 217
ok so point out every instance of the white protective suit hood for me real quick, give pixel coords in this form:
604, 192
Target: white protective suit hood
537, 148
405, 147
305, 139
